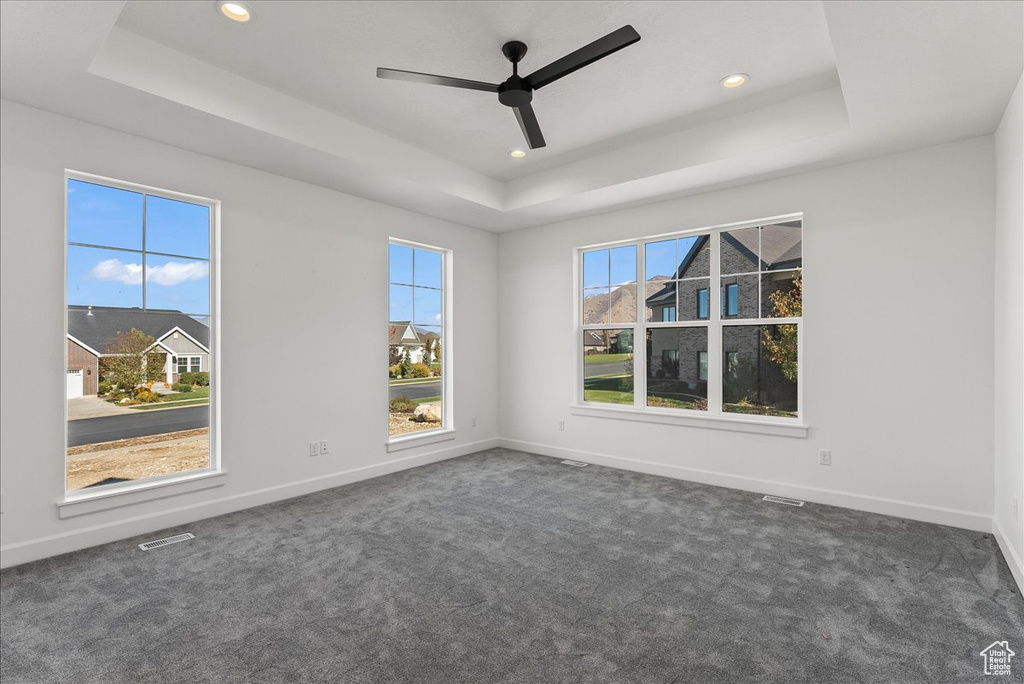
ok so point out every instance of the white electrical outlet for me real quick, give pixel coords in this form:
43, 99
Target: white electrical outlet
474, 421
824, 457
561, 426
314, 448
323, 447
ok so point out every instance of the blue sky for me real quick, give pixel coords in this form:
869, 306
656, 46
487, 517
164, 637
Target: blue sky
415, 291
663, 258
607, 269
110, 217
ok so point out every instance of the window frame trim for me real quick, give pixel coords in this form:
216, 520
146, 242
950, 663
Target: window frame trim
171, 484
714, 323
447, 429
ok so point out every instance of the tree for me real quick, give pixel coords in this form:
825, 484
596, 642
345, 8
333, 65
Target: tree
394, 356
428, 350
780, 344
437, 352
126, 363
406, 365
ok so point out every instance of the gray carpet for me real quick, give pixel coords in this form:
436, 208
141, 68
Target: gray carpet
508, 567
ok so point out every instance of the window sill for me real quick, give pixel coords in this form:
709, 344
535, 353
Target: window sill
415, 440
761, 427
84, 502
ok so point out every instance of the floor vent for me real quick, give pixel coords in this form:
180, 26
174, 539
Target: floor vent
156, 544
575, 464
783, 500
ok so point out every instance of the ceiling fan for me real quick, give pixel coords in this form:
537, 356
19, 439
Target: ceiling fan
517, 91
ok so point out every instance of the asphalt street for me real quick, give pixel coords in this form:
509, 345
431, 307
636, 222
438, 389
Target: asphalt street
419, 390
110, 428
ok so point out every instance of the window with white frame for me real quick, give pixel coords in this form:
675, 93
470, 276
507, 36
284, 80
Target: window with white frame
139, 293
680, 351
190, 364
418, 350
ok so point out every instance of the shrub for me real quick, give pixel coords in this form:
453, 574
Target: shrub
437, 370
395, 371
420, 370
103, 388
181, 387
402, 404
198, 378
146, 396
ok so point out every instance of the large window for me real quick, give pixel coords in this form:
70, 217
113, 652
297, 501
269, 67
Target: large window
737, 355
139, 333
418, 350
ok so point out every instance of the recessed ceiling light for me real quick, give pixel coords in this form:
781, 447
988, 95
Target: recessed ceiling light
734, 80
235, 11
517, 154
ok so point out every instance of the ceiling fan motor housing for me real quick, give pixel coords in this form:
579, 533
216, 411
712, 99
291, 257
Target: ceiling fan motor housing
514, 93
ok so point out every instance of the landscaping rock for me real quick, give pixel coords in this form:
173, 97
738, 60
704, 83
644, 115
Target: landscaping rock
427, 413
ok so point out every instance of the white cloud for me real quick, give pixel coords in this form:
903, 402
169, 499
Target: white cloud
117, 271
171, 273
175, 272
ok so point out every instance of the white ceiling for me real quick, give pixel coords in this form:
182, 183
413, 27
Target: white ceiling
294, 92
326, 54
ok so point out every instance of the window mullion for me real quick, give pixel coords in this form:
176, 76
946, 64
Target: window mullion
715, 328
640, 331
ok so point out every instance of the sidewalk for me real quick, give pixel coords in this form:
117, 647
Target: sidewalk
93, 407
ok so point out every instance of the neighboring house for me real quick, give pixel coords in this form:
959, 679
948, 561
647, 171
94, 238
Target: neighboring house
746, 284
181, 343
594, 342
404, 336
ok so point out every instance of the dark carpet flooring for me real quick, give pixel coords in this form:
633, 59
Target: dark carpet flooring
508, 567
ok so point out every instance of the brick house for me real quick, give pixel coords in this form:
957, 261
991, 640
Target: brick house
180, 343
755, 262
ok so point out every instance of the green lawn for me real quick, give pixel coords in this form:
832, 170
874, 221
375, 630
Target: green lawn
427, 400
412, 381
608, 396
177, 404
198, 395
605, 358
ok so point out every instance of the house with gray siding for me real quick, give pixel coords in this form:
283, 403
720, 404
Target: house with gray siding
181, 344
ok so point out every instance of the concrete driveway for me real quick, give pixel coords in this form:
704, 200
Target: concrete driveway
94, 407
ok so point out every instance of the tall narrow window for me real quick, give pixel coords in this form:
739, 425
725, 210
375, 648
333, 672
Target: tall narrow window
418, 350
762, 265
139, 332
609, 310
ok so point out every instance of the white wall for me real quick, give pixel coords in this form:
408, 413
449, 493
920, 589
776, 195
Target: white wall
304, 311
1009, 334
898, 332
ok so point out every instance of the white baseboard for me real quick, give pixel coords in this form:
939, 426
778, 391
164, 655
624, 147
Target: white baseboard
1009, 553
979, 522
35, 549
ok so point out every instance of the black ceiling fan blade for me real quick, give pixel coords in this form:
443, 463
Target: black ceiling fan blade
531, 129
417, 77
588, 54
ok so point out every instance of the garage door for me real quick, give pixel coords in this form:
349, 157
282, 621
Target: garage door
74, 383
